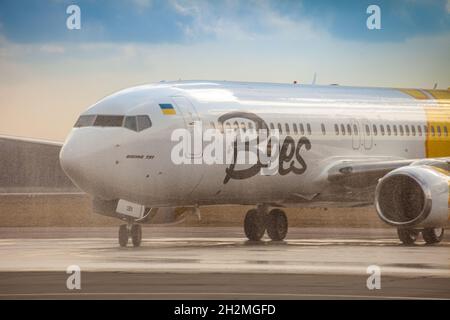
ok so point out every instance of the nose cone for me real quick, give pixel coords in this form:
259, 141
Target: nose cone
69, 158
82, 161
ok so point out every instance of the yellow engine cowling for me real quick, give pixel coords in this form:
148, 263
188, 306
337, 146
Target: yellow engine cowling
416, 196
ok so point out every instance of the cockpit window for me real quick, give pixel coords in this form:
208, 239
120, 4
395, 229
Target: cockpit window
143, 122
135, 123
85, 121
108, 121
130, 123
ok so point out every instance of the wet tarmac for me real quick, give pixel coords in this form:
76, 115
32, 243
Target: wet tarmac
214, 263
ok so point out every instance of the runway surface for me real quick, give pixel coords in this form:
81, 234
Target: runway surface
218, 263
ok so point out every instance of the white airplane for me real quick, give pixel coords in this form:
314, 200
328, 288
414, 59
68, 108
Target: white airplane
339, 146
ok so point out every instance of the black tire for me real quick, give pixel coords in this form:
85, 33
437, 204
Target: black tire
136, 235
408, 236
254, 225
433, 235
123, 235
277, 225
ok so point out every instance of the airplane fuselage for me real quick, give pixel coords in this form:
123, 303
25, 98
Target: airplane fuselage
320, 125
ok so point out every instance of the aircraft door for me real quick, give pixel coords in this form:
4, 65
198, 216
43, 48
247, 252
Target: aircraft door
190, 116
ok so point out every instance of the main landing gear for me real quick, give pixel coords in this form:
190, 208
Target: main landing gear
257, 221
429, 235
130, 230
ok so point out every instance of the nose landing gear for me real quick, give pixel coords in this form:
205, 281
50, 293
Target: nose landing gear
257, 221
131, 230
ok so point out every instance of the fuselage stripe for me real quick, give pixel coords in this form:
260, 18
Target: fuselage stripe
437, 140
438, 121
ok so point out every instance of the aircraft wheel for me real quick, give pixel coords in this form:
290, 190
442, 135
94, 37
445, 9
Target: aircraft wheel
254, 225
433, 235
277, 225
136, 235
408, 236
123, 235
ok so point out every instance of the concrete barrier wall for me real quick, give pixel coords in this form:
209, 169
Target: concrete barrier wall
75, 211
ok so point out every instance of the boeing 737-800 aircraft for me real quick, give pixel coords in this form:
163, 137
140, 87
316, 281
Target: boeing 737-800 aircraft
338, 146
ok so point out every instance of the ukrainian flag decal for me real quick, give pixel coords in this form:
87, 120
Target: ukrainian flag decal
167, 109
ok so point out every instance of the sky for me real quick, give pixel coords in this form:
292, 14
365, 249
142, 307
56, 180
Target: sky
49, 74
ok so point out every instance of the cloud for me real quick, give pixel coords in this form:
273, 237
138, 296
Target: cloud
52, 83
52, 75
181, 21
142, 3
237, 20
142, 6
51, 48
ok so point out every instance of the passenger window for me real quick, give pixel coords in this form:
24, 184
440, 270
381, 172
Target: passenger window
286, 125
322, 126
439, 131
143, 122
407, 130
388, 129
294, 126
400, 127
413, 130
349, 130
367, 130
382, 129
419, 130
355, 129
425, 130
432, 131
336, 129
342, 129
395, 129
272, 127
130, 123
85, 121
302, 129
445, 131
279, 129
374, 129
308, 128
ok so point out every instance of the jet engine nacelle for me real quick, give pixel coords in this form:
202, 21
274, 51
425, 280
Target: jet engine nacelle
415, 196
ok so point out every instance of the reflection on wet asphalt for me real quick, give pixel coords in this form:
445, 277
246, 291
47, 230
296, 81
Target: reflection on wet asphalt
205, 250
310, 253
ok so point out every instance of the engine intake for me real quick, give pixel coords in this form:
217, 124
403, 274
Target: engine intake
414, 196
